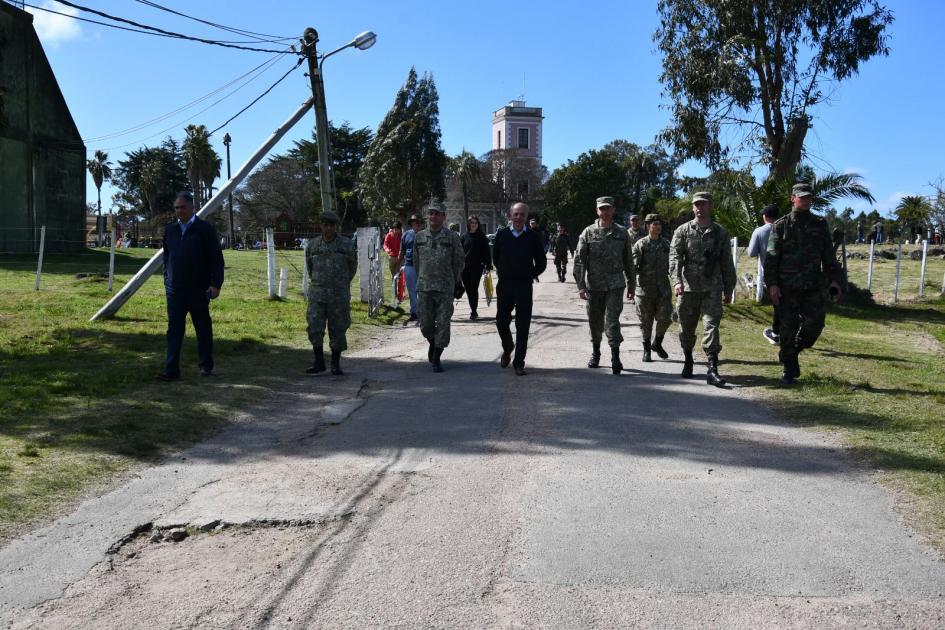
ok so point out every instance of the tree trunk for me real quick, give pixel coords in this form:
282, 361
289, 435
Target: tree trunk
784, 164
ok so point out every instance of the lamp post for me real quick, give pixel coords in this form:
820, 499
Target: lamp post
309, 40
226, 140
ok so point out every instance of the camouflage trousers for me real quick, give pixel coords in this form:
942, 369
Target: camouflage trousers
336, 314
434, 310
691, 306
603, 315
653, 306
561, 265
802, 316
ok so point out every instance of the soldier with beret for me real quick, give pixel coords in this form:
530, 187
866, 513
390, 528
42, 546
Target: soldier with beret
799, 265
654, 296
332, 262
603, 268
703, 273
439, 260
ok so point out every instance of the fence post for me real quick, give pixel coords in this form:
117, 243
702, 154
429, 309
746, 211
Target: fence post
925, 253
304, 275
898, 267
39, 264
271, 262
283, 280
111, 263
735, 263
759, 284
843, 253
869, 269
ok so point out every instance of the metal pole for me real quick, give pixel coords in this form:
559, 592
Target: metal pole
270, 262
898, 267
111, 262
325, 181
869, 269
925, 253
211, 206
226, 141
42, 247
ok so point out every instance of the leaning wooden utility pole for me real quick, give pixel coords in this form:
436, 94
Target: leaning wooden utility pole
326, 182
208, 208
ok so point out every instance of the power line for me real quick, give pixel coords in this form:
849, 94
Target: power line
237, 31
160, 31
148, 123
256, 100
90, 21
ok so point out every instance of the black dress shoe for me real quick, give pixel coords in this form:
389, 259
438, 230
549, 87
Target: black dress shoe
506, 358
519, 370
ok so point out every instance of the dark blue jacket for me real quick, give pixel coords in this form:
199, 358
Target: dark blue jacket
194, 262
518, 261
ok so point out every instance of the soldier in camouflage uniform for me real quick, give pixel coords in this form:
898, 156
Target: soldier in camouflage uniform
703, 273
332, 262
654, 294
439, 260
799, 265
562, 246
635, 231
603, 267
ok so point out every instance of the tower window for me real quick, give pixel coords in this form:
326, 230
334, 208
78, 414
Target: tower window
522, 138
498, 139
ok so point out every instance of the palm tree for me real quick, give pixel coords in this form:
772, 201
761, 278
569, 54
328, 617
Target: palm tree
101, 170
913, 211
468, 170
200, 158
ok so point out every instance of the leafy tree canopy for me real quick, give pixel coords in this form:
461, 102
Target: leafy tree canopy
148, 179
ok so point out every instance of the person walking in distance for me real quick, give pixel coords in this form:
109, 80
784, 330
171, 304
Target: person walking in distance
758, 248
477, 260
438, 258
193, 275
406, 259
703, 273
636, 231
392, 247
603, 268
800, 263
519, 259
332, 261
562, 247
654, 295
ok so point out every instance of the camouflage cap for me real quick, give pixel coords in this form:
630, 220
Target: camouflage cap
702, 196
650, 218
329, 217
634, 216
436, 207
802, 189
605, 201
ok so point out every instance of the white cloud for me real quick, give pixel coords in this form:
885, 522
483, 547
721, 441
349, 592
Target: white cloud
54, 29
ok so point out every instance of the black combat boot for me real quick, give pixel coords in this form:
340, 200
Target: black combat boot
430, 352
712, 374
615, 365
319, 365
795, 364
791, 368
336, 363
658, 347
647, 358
687, 364
594, 361
437, 366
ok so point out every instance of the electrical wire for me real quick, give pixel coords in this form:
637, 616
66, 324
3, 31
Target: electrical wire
256, 100
148, 123
90, 21
161, 31
258, 36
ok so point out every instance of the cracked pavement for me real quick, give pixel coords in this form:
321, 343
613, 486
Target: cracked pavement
395, 497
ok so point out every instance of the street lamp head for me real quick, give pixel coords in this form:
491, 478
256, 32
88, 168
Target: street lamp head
226, 139
364, 40
310, 36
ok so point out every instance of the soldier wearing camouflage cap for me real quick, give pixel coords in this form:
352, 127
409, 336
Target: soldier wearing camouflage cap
439, 260
703, 274
636, 231
603, 268
332, 262
799, 265
654, 296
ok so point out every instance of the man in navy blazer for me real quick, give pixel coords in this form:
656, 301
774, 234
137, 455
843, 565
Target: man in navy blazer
193, 275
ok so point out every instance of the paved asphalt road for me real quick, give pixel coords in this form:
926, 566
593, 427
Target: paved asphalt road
568, 498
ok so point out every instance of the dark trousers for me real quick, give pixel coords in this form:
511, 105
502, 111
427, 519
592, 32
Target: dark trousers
471, 280
802, 316
179, 303
518, 298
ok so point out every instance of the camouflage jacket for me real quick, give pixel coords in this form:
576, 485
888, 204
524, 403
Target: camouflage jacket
701, 259
439, 260
800, 253
651, 259
331, 268
636, 235
603, 259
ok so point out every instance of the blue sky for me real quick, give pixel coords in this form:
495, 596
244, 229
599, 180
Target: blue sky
591, 65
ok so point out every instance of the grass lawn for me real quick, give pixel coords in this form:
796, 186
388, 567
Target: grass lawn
876, 377
79, 401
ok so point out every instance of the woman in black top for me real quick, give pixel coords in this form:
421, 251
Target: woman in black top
478, 258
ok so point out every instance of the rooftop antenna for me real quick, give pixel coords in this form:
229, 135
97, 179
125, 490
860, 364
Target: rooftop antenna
521, 96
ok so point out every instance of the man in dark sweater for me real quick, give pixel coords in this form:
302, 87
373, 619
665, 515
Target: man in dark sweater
193, 275
519, 258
